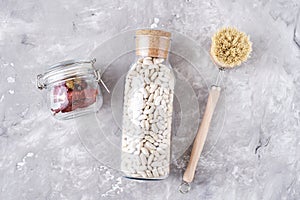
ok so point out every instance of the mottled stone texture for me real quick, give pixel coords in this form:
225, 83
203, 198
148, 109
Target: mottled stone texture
257, 155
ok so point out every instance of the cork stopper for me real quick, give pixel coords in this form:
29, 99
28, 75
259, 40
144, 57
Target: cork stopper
153, 43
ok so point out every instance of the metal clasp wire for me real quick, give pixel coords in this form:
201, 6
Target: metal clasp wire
38, 82
98, 78
98, 75
220, 76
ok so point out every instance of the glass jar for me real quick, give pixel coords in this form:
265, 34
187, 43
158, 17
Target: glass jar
72, 88
147, 109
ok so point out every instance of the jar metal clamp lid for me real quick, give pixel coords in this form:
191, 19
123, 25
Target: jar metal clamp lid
60, 71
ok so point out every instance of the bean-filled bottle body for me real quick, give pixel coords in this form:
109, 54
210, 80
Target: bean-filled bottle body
147, 119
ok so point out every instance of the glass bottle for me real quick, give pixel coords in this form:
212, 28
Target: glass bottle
147, 109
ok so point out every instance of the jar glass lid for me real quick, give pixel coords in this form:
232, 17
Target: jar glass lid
67, 69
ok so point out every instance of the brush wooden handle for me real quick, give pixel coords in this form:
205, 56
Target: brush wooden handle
202, 133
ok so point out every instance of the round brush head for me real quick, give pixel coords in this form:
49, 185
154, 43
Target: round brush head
230, 47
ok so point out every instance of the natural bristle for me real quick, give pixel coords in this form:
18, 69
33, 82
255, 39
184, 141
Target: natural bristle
230, 47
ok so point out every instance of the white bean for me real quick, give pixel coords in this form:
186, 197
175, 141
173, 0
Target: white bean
154, 128
157, 100
147, 62
143, 159
150, 146
156, 164
158, 60
142, 117
164, 146
160, 171
153, 76
160, 150
150, 139
141, 168
155, 173
142, 173
156, 154
154, 135
150, 159
149, 174
145, 151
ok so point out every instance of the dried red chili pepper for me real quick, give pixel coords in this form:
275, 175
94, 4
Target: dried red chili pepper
80, 99
78, 96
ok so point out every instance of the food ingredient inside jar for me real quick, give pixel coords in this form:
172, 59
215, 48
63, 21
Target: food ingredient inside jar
147, 118
71, 95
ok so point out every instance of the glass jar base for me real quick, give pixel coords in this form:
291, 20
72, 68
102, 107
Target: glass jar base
77, 113
147, 179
